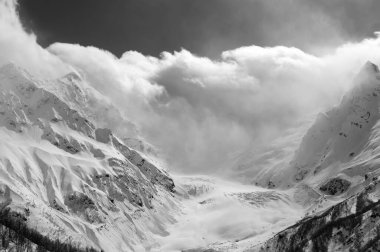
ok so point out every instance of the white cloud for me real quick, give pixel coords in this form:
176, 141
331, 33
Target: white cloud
199, 112
21, 48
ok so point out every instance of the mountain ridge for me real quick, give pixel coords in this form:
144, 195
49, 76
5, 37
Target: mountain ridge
338, 157
58, 165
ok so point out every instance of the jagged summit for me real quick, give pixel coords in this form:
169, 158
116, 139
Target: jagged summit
367, 77
370, 67
72, 76
13, 70
9, 67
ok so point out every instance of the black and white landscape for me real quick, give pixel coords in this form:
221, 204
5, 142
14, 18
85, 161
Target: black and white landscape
219, 125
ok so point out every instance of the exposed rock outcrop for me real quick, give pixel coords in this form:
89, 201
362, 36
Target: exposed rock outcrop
352, 225
335, 186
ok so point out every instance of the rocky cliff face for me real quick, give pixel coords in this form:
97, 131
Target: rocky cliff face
78, 183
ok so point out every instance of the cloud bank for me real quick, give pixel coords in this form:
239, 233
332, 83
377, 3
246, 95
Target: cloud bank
199, 112
21, 48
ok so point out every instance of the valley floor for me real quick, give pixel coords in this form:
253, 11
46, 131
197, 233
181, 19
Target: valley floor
229, 216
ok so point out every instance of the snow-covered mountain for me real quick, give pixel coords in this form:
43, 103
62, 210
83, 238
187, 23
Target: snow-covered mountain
341, 143
67, 183
69, 180
338, 161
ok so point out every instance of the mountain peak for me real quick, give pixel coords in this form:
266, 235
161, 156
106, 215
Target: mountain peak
72, 76
370, 67
14, 71
10, 68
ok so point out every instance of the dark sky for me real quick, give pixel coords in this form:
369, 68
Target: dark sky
205, 27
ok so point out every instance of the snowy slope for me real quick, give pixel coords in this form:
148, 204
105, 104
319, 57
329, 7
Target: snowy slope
343, 134
339, 142
71, 180
338, 160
